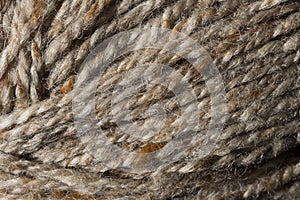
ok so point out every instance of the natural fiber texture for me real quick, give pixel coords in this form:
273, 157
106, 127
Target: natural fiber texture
255, 46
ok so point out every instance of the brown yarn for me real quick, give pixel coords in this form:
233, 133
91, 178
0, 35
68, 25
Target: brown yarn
255, 46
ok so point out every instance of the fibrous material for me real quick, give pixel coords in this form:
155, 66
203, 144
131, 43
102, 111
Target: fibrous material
252, 44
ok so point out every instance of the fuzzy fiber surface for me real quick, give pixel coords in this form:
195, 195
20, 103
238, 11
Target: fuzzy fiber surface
254, 44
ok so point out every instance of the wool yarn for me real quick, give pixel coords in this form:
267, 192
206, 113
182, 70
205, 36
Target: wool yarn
254, 44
